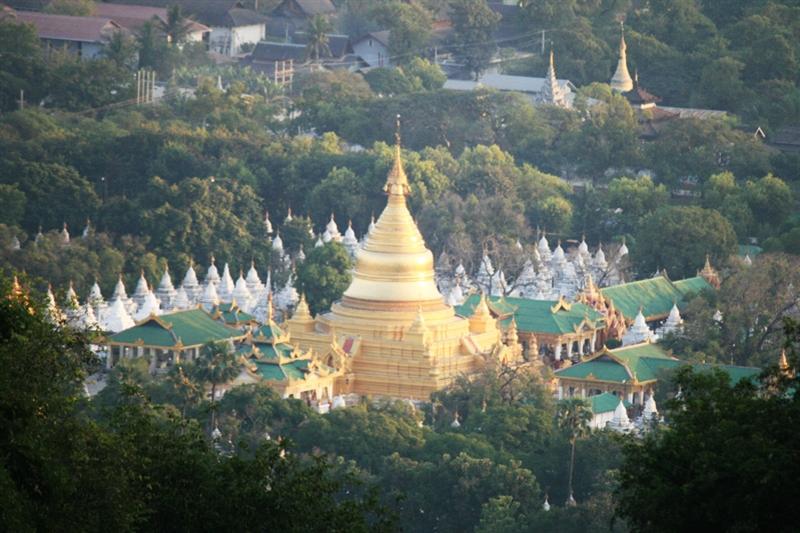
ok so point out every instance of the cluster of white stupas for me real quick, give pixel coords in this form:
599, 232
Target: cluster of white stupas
640, 332
64, 236
122, 311
649, 417
331, 234
546, 275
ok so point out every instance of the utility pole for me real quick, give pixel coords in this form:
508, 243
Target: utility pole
543, 32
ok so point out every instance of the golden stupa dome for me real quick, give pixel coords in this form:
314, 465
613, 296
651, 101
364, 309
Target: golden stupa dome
393, 265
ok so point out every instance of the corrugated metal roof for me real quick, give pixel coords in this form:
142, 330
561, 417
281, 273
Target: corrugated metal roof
67, 28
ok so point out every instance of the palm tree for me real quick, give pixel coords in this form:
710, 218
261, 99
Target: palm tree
147, 40
217, 365
176, 27
120, 49
318, 29
573, 417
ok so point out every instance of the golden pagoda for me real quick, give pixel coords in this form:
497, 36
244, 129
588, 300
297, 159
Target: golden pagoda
392, 332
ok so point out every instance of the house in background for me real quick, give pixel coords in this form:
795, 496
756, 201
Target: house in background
83, 36
133, 17
293, 15
232, 25
373, 49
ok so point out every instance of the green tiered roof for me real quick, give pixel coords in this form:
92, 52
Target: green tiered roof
231, 314
641, 363
535, 315
605, 403
189, 328
655, 296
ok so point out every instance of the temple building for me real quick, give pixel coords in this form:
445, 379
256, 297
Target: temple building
630, 373
621, 81
549, 331
268, 355
392, 333
168, 339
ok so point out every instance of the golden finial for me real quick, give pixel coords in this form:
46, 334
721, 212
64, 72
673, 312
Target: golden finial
397, 181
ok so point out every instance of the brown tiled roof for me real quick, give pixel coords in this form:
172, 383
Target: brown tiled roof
132, 16
221, 13
67, 28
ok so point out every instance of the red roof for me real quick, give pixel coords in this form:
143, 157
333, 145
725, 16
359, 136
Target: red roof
67, 28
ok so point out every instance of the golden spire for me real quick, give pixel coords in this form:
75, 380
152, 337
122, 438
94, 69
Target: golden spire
394, 265
397, 181
270, 310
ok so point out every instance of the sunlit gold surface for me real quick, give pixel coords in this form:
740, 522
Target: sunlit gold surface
407, 341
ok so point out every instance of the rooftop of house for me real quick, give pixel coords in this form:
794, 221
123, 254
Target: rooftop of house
505, 82
339, 45
220, 13
67, 28
305, 8
133, 17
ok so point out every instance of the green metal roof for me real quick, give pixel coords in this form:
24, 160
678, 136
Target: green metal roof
749, 249
535, 315
645, 362
691, 285
193, 327
289, 371
605, 403
231, 314
655, 296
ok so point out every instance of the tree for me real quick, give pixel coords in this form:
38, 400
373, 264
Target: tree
317, 45
746, 437
410, 25
22, 66
631, 199
573, 417
678, 238
120, 49
12, 204
217, 365
150, 45
473, 24
74, 8
176, 27
324, 275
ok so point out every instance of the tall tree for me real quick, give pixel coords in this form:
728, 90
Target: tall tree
217, 365
324, 275
318, 29
473, 24
573, 417
176, 26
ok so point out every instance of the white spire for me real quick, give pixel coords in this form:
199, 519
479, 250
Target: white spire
546, 505
95, 295
371, 224
599, 260
333, 230
621, 81
87, 229
116, 318
319, 241
289, 216
747, 261
150, 306
209, 299
620, 421
142, 289
15, 244
623, 250
119, 291
277, 244
166, 290
350, 241
267, 223
190, 279
301, 255
226, 285
64, 234
650, 408
71, 299
485, 274
212, 274
456, 295
242, 294
673, 322
639, 332
254, 284
518, 245
543, 247
287, 297
181, 300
